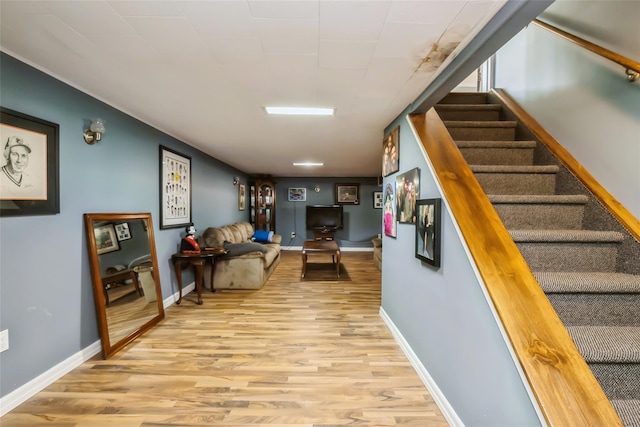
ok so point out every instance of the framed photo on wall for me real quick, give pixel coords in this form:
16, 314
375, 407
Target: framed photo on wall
389, 213
297, 194
391, 152
242, 197
407, 192
377, 199
428, 227
29, 179
122, 231
347, 194
106, 239
175, 189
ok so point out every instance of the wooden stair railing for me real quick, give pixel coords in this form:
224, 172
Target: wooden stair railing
566, 391
626, 219
632, 68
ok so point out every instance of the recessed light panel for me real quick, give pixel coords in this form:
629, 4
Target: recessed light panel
300, 111
307, 164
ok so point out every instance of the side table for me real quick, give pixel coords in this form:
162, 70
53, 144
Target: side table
197, 260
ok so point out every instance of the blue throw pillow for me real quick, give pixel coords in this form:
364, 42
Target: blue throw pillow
262, 236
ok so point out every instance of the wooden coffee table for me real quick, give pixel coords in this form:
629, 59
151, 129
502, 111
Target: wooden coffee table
320, 246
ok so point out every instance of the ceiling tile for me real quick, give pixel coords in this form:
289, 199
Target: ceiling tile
307, 9
352, 20
424, 12
220, 18
345, 54
288, 36
78, 15
146, 8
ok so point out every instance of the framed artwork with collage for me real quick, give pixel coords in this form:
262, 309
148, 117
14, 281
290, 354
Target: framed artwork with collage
407, 192
297, 194
391, 152
175, 189
389, 213
428, 227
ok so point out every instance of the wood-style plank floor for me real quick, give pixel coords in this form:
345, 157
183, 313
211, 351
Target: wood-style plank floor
305, 353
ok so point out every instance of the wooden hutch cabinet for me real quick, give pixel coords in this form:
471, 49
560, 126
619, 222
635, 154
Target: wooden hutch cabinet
262, 200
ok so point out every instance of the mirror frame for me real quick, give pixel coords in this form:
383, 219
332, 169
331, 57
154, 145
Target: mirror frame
109, 348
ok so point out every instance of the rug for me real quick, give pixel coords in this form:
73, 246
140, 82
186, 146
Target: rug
325, 271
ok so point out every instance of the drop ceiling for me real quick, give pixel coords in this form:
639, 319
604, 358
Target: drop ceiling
203, 71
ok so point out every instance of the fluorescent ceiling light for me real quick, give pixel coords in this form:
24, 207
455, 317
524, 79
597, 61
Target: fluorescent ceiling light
307, 164
300, 111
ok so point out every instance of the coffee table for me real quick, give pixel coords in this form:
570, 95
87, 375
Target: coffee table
319, 247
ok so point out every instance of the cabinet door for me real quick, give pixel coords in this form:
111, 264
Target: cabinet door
265, 206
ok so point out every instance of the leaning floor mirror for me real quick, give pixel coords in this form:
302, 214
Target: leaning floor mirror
126, 282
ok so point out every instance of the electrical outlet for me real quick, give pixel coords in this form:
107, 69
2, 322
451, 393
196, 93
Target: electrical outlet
293, 234
4, 340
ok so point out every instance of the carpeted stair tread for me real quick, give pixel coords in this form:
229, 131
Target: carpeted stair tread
566, 236
607, 344
628, 410
587, 282
450, 124
543, 199
496, 144
544, 169
469, 107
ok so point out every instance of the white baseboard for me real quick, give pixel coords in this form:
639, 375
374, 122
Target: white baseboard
25, 392
21, 394
440, 399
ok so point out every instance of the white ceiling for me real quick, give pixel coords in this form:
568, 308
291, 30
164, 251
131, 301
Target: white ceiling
202, 71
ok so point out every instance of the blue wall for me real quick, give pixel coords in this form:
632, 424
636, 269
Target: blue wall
361, 222
46, 295
444, 316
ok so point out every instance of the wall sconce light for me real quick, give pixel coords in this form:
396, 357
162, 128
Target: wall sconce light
236, 180
95, 131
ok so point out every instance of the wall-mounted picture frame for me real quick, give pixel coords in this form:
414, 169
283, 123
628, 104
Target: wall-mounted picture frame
389, 213
377, 200
297, 194
347, 194
122, 231
391, 152
29, 179
407, 192
175, 189
428, 230
106, 239
242, 197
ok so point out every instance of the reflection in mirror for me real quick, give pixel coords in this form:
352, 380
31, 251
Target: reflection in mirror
126, 282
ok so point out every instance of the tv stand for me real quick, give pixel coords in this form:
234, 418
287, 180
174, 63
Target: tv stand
323, 234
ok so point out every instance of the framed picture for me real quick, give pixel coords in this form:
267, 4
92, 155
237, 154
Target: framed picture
391, 152
347, 194
428, 231
389, 214
122, 231
106, 239
377, 199
407, 192
175, 189
297, 194
242, 197
29, 179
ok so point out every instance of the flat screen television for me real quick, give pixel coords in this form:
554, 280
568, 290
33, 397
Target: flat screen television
324, 217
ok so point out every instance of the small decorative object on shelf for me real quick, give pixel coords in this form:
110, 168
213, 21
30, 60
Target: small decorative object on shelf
189, 243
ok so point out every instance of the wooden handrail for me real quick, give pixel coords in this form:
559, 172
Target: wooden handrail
632, 67
565, 389
628, 221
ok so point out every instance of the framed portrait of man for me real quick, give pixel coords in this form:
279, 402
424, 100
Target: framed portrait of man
29, 176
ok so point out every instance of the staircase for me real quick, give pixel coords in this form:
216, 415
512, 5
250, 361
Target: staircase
586, 263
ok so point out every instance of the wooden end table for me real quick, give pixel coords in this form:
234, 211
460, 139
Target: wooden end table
320, 246
198, 260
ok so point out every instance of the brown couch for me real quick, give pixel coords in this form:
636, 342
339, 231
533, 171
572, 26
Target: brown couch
248, 264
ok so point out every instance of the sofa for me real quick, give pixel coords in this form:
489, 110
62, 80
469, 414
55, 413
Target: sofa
377, 251
250, 260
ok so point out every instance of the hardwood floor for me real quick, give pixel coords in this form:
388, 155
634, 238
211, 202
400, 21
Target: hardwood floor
295, 353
